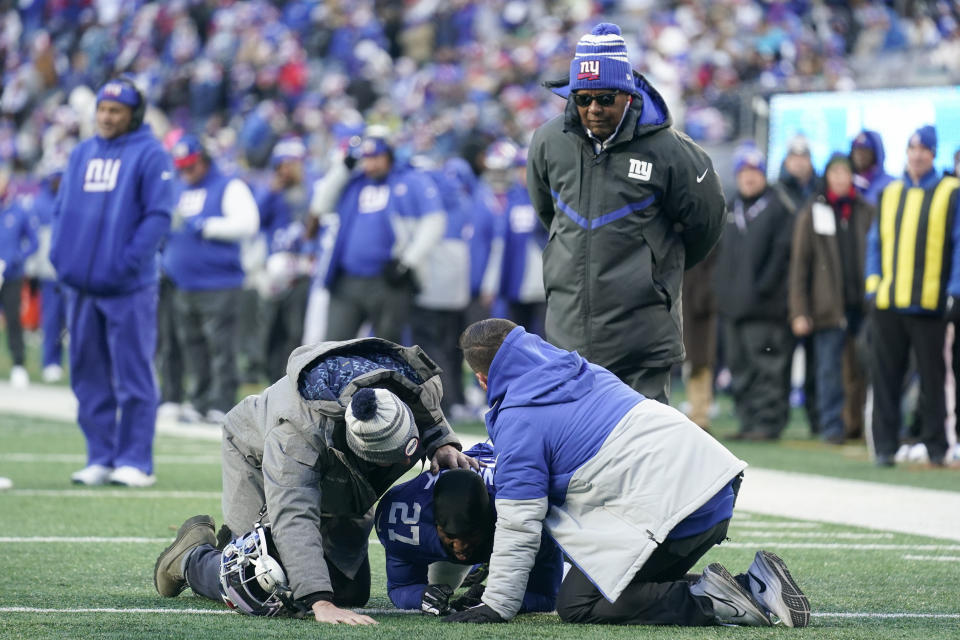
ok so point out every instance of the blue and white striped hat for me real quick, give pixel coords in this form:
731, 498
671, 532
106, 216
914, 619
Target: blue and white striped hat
601, 61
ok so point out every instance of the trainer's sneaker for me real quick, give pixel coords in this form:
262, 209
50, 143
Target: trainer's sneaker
168, 411
189, 415
52, 373
732, 603
168, 575
773, 586
93, 475
19, 378
5, 483
215, 417
131, 477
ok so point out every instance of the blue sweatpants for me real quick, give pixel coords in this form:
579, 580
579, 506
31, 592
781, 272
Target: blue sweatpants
112, 342
52, 320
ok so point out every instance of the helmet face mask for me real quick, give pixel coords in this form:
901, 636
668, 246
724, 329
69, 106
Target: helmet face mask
251, 580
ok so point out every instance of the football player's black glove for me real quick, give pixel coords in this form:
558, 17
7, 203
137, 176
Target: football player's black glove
480, 614
436, 599
469, 599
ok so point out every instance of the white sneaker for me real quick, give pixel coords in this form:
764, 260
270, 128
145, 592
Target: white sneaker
918, 453
5, 483
189, 415
131, 477
732, 604
52, 373
168, 411
215, 417
19, 378
95, 474
773, 587
901, 455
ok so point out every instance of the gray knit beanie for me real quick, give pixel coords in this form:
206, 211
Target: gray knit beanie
380, 427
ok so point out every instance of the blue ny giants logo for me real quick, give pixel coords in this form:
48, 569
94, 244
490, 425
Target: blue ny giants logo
589, 70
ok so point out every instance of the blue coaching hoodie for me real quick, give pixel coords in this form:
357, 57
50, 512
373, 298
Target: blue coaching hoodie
113, 210
18, 239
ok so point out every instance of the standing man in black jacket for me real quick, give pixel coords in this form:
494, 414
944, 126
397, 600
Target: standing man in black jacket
752, 269
630, 203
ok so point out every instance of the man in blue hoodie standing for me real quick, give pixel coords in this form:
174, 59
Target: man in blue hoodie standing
113, 211
631, 490
18, 240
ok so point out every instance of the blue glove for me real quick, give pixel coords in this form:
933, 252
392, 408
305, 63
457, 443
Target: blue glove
480, 614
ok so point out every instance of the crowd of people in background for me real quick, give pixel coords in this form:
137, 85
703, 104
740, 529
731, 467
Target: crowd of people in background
298, 120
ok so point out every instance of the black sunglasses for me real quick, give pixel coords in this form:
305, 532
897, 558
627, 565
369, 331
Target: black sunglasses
604, 99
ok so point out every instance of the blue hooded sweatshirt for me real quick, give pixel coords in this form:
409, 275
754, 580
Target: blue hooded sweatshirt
18, 239
871, 183
113, 211
551, 411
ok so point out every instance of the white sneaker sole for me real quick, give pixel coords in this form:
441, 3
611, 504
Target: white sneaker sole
772, 585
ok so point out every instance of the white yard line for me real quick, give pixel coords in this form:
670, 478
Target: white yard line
774, 543
80, 539
77, 458
388, 612
933, 558
142, 494
836, 535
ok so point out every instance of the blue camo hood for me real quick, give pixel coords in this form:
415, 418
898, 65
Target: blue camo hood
875, 142
528, 371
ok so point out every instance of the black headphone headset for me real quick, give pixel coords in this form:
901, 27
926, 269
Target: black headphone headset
139, 111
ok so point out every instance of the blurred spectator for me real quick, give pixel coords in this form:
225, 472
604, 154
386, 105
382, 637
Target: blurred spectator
438, 311
622, 193
700, 338
215, 213
113, 211
18, 240
521, 281
53, 318
913, 283
284, 210
751, 285
798, 184
867, 156
826, 296
390, 218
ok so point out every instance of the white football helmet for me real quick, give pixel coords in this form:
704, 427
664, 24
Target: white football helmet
251, 580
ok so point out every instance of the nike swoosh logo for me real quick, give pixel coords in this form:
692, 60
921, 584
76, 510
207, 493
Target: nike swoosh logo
763, 586
700, 179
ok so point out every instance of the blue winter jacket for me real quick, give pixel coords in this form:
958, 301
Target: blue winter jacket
18, 239
872, 182
113, 211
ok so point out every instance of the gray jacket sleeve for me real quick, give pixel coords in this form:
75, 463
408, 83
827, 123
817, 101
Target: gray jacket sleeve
515, 546
292, 490
435, 431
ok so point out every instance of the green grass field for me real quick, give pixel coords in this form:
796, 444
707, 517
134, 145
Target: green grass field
79, 562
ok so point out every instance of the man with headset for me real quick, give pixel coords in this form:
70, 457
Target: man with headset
113, 210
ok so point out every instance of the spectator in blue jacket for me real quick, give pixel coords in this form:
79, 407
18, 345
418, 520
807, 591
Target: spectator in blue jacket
867, 157
52, 316
521, 276
215, 213
18, 239
113, 211
433, 529
390, 218
631, 490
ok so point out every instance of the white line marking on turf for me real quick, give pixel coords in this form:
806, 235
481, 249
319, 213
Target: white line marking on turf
934, 558
387, 612
740, 521
110, 493
839, 535
69, 539
753, 544
82, 459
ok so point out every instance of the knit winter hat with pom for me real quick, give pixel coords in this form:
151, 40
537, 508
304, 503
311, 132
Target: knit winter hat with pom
601, 61
380, 427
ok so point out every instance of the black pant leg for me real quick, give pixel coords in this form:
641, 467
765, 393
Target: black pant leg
10, 302
889, 349
768, 346
658, 594
349, 592
927, 335
218, 312
169, 353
